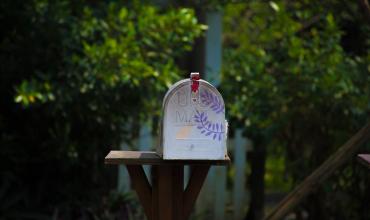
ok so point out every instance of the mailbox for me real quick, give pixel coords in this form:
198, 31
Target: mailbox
193, 123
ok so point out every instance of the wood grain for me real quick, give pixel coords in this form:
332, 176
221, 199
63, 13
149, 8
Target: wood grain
166, 198
155, 194
178, 191
165, 193
197, 177
142, 187
152, 158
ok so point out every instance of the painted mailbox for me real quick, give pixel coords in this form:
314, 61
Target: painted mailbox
193, 124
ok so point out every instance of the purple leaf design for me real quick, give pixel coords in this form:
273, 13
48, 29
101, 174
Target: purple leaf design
212, 101
207, 127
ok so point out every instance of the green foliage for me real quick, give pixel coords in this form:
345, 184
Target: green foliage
294, 87
276, 178
116, 48
79, 76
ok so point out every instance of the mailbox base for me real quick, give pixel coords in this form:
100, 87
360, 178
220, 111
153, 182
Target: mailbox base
165, 198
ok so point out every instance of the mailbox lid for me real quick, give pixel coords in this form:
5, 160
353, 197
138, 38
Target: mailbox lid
186, 82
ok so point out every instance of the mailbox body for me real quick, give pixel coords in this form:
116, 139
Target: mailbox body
193, 123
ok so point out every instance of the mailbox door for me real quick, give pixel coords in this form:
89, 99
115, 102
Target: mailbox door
194, 124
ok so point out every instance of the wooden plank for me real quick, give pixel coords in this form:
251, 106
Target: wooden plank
168, 190
197, 177
205, 201
155, 194
152, 158
339, 158
178, 191
142, 187
165, 192
364, 159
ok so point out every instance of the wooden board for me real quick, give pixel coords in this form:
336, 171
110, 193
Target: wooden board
152, 158
142, 187
197, 177
364, 159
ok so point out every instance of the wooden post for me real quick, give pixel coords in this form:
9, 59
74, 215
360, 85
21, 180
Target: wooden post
165, 198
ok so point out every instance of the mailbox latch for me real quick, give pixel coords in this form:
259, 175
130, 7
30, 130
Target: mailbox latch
194, 77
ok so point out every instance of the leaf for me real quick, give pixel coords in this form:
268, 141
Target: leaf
274, 6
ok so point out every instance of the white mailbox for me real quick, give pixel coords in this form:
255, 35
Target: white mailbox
193, 122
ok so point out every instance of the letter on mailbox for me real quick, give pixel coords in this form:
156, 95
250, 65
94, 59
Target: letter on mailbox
193, 124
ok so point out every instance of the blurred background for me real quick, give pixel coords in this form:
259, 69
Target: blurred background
80, 78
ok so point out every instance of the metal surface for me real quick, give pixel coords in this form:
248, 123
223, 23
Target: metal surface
193, 124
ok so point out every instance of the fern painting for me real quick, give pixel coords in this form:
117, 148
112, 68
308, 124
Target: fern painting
209, 128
